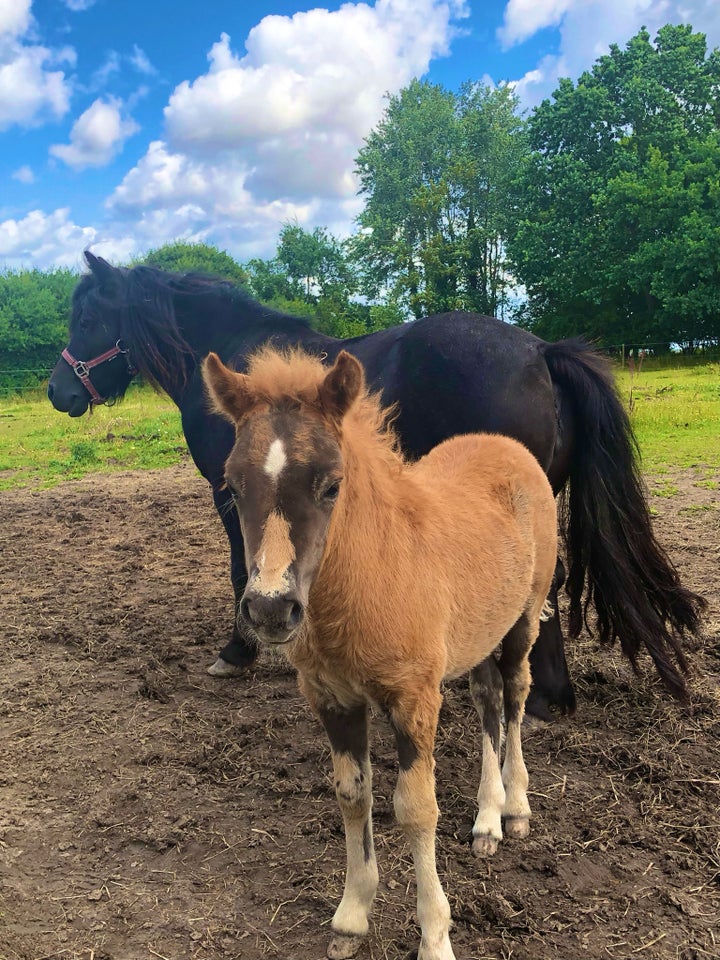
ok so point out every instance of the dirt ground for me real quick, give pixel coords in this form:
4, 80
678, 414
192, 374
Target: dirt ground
149, 811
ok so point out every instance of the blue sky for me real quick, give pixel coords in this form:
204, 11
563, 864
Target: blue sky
127, 124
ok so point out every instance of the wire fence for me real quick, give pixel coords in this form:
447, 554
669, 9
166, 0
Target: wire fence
17, 381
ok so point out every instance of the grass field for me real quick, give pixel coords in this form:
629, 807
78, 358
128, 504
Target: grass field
39, 446
675, 411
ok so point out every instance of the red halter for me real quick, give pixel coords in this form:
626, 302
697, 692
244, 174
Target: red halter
82, 368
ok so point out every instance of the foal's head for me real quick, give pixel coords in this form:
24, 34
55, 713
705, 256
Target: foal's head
284, 472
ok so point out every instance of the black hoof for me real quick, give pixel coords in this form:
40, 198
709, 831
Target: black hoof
240, 652
546, 707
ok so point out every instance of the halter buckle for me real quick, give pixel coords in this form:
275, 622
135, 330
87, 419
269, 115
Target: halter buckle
81, 369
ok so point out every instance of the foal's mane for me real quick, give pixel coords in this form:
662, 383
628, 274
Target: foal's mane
292, 376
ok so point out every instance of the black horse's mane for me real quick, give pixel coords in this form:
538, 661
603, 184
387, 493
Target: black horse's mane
145, 298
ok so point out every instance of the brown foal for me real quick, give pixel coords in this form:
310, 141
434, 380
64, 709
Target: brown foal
380, 578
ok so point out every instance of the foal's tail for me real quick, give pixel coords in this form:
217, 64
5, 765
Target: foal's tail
611, 548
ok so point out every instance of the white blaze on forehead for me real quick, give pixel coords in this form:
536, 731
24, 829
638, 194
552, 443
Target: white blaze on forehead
276, 459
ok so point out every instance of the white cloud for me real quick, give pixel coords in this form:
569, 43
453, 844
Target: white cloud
97, 136
24, 175
140, 60
45, 240
78, 5
107, 69
272, 135
588, 27
15, 17
523, 18
40, 239
29, 88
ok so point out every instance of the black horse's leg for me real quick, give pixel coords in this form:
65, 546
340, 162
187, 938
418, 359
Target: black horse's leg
551, 684
242, 650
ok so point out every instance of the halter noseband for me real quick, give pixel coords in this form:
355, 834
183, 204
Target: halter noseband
82, 368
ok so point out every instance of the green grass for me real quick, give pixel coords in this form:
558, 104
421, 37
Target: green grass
675, 410
41, 447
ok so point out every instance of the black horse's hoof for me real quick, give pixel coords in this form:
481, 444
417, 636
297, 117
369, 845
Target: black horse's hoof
545, 707
222, 669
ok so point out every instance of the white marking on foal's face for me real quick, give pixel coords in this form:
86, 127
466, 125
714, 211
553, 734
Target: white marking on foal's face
275, 556
275, 460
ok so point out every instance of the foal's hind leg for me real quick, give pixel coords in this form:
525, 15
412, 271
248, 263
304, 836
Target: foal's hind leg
486, 687
515, 669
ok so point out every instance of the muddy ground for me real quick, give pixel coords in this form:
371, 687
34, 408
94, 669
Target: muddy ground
149, 811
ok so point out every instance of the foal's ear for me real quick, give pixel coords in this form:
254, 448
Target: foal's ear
342, 385
227, 389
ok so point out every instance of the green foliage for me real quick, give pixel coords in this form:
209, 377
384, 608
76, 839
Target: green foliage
315, 262
619, 220
34, 314
436, 176
269, 282
183, 257
312, 276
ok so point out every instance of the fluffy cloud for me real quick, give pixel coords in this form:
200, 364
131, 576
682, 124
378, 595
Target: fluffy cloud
272, 135
523, 18
23, 238
29, 87
588, 27
15, 17
97, 135
44, 240
24, 174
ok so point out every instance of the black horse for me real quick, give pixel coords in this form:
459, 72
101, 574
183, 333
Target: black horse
448, 374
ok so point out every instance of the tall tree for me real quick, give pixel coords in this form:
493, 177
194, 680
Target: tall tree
435, 177
312, 276
620, 201
316, 261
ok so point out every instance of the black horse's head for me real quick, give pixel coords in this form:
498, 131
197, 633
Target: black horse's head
96, 365
123, 322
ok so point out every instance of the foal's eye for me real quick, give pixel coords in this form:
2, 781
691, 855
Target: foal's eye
330, 493
233, 490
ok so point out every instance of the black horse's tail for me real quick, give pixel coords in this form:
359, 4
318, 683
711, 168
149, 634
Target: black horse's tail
611, 548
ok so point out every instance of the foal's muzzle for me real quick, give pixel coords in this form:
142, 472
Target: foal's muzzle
273, 618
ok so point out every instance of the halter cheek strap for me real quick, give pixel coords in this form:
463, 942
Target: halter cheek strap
82, 368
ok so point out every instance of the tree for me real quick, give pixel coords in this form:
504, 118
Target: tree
183, 257
311, 276
435, 174
34, 316
269, 282
617, 230
316, 261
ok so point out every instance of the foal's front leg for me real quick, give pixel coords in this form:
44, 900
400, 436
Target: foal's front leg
416, 810
347, 731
